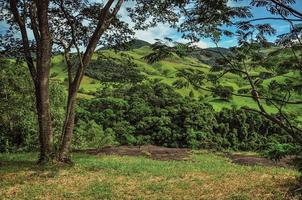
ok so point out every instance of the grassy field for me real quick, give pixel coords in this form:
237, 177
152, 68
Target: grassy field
166, 71
203, 176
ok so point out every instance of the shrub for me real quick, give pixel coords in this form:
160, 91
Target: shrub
277, 151
91, 135
224, 92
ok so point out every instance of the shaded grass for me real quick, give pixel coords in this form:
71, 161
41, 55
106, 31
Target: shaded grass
205, 176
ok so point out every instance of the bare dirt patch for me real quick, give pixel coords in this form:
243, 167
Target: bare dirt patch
182, 154
150, 151
251, 160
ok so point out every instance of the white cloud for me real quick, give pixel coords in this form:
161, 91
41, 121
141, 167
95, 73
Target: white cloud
159, 32
234, 3
200, 44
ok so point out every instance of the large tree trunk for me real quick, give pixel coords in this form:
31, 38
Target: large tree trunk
44, 121
44, 47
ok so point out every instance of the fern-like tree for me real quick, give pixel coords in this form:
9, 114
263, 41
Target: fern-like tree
252, 37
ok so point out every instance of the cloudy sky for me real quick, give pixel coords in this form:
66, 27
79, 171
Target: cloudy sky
163, 30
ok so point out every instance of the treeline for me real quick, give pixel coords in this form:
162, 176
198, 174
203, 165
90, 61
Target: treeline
153, 113
134, 114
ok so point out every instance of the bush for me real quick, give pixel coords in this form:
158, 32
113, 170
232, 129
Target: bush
277, 151
91, 135
224, 92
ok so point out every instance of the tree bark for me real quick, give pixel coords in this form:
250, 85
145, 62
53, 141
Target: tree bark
44, 121
68, 126
44, 48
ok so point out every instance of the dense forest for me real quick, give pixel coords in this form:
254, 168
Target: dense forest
76, 86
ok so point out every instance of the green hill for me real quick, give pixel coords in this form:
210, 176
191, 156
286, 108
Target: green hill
166, 70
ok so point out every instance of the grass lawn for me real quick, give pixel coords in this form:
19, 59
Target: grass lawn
204, 176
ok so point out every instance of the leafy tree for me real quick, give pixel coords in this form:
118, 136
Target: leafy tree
224, 92
153, 113
252, 36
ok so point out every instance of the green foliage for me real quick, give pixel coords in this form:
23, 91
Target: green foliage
224, 92
18, 129
91, 135
114, 70
17, 119
153, 113
54, 74
277, 151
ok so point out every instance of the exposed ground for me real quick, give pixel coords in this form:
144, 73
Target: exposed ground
149, 151
242, 159
182, 154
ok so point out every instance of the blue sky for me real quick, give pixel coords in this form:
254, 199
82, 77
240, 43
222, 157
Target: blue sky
162, 30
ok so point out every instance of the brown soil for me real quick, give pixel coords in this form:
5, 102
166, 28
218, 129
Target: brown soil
255, 160
150, 151
164, 153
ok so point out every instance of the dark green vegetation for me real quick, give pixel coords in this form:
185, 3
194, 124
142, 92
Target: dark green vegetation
125, 100
204, 176
18, 130
153, 113
137, 103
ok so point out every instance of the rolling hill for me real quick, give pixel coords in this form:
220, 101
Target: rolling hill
166, 70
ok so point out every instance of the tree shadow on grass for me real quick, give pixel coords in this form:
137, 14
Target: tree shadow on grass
17, 164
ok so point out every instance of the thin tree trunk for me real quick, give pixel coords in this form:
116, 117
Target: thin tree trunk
74, 85
45, 126
68, 126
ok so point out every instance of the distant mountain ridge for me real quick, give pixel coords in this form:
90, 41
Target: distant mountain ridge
133, 44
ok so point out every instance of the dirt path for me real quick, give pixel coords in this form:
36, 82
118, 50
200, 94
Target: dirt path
164, 153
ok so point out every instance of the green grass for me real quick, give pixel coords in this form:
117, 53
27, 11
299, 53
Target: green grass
172, 65
204, 176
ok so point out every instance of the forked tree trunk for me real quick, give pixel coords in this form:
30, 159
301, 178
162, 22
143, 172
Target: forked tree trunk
40, 71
